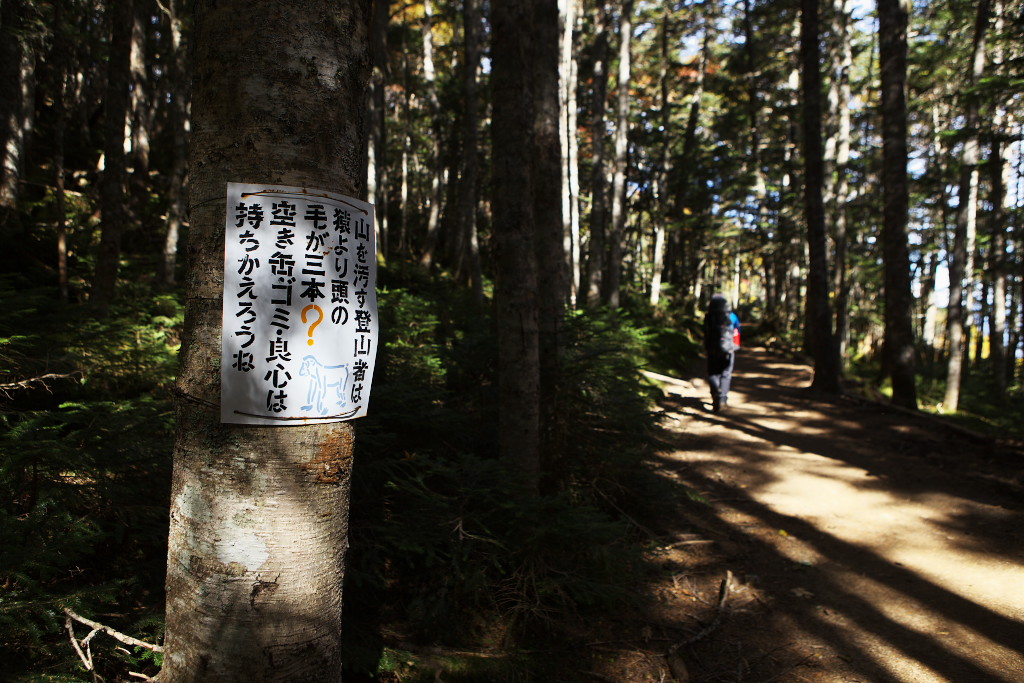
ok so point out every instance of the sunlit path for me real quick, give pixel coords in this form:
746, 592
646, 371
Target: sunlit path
895, 566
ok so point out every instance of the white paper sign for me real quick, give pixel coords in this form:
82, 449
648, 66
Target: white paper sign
300, 306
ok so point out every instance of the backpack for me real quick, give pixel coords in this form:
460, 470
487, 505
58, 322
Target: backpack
719, 333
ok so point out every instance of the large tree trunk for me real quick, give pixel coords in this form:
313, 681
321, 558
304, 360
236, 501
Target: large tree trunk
826, 356
961, 266
512, 134
549, 231
113, 184
258, 532
899, 300
613, 269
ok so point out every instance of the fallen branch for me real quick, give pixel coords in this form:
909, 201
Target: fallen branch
84, 649
723, 596
96, 626
41, 381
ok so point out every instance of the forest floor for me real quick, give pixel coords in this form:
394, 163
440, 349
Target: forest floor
838, 540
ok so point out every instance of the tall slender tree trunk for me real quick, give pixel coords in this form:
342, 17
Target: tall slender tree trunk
258, 534
596, 256
469, 176
436, 162
376, 165
60, 65
113, 183
568, 11
178, 120
516, 306
403, 226
1002, 171
838, 185
16, 107
139, 112
662, 198
826, 356
613, 268
1002, 176
961, 266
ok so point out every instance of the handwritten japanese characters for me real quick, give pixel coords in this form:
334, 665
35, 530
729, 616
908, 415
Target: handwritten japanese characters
300, 306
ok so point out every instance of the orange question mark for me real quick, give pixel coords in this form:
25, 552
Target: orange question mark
319, 319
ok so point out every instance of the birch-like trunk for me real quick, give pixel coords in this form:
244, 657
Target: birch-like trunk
376, 143
596, 256
613, 269
436, 163
661, 197
568, 12
259, 515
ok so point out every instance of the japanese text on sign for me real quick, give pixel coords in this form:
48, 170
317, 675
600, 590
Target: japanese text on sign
300, 306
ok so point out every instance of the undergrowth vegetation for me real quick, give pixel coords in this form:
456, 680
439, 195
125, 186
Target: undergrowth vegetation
447, 546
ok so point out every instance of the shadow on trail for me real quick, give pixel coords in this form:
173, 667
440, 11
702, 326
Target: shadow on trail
907, 458
907, 454
830, 596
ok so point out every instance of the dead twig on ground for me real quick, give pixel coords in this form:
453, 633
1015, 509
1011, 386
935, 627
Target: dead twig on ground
83, 647
723, 596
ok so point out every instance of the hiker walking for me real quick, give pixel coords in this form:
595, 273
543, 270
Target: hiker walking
721, 339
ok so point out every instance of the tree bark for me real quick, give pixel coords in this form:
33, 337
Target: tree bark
512, 134
899, 300
258, 533
553, 283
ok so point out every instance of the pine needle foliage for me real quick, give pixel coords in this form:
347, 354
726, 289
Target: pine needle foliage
84, 473
448, 546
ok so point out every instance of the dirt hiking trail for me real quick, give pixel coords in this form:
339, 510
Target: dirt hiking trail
837, 540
